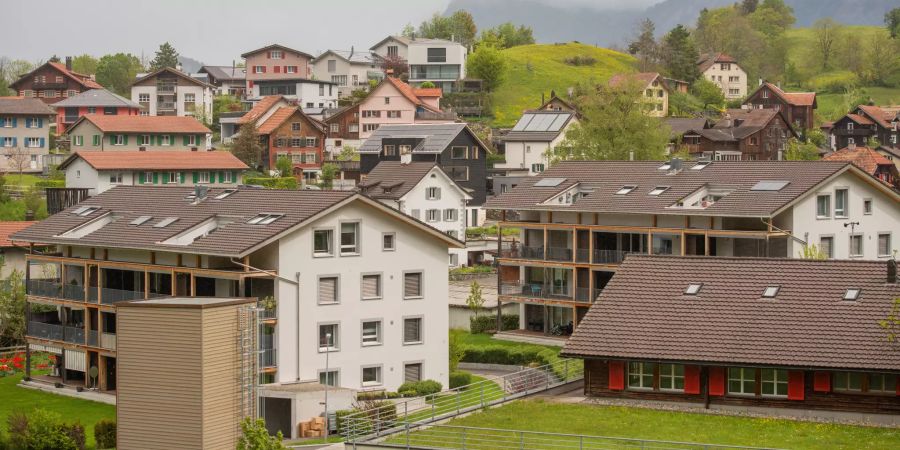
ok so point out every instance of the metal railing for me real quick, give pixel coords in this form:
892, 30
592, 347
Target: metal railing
450, 437
582, 255
267, 357
74, 335
93, 338
41, 288
522, 251
108, 340
386, 420
49, 331
109, 296
536, 290
164, 88
559, 254
165, 105
609, 256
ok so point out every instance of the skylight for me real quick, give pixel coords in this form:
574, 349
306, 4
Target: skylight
264, 219
771, 291
701, 165
549, 182
772, 186
225, 193
165, 222
658, 190
693, 289
141, 220
852, 294
665, 166
626, 189
85, 210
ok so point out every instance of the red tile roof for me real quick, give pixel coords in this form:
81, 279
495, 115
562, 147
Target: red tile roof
707, 60
9, 228
862, 120
408, 92
642, 78
276, 119
428, 92
863, 157
137, 160
260, 108
81, 78
793, 98
881, 114
146, 124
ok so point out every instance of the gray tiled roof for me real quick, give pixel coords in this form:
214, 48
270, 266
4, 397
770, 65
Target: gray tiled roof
601, 179
399, 178
225, 72
356, 57
436, 136
643, 313
98, 98
681, 125
16, 105
539, 126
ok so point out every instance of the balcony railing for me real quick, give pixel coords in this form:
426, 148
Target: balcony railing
55, 289
93, 338
108, 341
582, 255
267, 314
559, 254
69, 119
165, 106
74, 335
536, 291
165, 88
46, 331
267, 357
111, 296
523, 252
609, 256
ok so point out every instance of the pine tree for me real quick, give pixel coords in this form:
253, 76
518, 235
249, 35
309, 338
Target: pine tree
166, 56
680, 54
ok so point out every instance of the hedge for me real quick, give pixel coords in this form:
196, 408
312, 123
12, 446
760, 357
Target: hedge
520, 355
460, 378
488, 322
379, 409
273, 183
50, 183
419, 388
105, 433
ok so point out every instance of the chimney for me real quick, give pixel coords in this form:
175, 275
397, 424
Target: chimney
351, 51
68, 63
760, 81
892, 271
851, 146
631, 155
675, 165
406, 158
29, 216
200, 192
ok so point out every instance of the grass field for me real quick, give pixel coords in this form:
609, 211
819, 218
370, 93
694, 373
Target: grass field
486, 339
15, 398
833, 106
538, 415
537, 68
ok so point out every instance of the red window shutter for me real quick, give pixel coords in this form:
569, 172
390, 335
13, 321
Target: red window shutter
717, 381
277, 69
795, 385
822, 382
250, 84
616, 375
691, 379
264, 69
269, 55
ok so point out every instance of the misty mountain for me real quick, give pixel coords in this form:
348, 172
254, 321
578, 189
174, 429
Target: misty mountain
554, 22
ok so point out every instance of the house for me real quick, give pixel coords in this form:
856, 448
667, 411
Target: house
228, 80
746, 134
866, 122
101, 171
677, 85
685, 136
392, 47
460, 312
439, 61
288, 132
744, 332
279, 70
354, 292
395, 102
171, 92
455, 148
530, 142
342, 129
94, 101
652, 87
422, 190
870, 161
12, 253
53, 81
724, 71
349, 70
261, 110
579, 219
798, 107
152, 133
555, 103
24, 134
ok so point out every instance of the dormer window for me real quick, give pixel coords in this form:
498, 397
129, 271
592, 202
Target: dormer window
141, 220
852, 294
165, 222
693, 289
771, 291
225, 194
658, 190
626, 189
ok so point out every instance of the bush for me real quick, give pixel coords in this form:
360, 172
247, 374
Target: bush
580, 60
838, 81
460, 378
273, 183
419, 388
105, 433
44, 430
75, 432
488, 322
50, 183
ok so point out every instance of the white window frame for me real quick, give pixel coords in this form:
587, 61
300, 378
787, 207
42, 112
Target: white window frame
144, 98
356, 249
192, 140
827, 214
335, 375
172, 178
32, 142
742, 378
639, 369
379, 333
465, 152
115, 178
119, 139
844, 212
421, 339
862, 245
830, 253
337, 289
889, 244
166, 140
867, 206
335, 337
433, 215
378, 378
779, 379
78, 140
432, 193
670, 377
203, 177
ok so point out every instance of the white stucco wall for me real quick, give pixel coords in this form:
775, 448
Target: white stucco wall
451, 197
720, 78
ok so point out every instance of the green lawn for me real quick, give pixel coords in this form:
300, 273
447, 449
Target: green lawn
25, 179
615, 421
833, 106
15, 398
443, 403
486, 339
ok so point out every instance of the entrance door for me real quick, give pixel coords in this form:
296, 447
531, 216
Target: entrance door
277, 413
110, 373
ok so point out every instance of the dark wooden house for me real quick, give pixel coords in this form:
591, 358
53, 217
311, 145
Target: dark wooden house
52, 82
865, 122
746, 134
798, 107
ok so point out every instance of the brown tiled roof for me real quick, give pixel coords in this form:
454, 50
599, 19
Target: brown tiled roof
276, 119
883, 115
260, 108
22, 105
601, 179
643, 313
85, 80
863, 157
235, 238
145, 124
138, 160
707, 60
408, 92
862, 120
392, 180
641, 78
8, 228
791, 98
748, 121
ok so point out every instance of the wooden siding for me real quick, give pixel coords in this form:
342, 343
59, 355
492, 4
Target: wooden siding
344, 120
219, 372
286, 133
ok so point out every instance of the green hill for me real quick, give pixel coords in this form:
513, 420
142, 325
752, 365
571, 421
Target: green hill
537, 68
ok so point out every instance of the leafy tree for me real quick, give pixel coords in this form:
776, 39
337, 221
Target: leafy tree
892, 22
475, 301
329, 173
85, 64
507, 35
13, 69
254, 436
801, 151
460, 27
166, 56
224, 104
614, 126
708, 93
247, 147
772, 18
117, 72
815, 137
749, 6
812, 251
682, 104
394, 66
457, 351
882, 58
284, 166
408, 30
644, 47
348, 153
679, 54
12, 309
826, 31
488, 64
427, 85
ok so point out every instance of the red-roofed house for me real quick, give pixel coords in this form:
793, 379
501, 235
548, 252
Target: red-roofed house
724, 71
100, 132
100, 171
395, 102
865, 122
288, 132
869, 160
13, 253
53, 81
654, 91
798, 107
279, 70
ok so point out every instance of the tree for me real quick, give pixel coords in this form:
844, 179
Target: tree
394, 66
475, 301
118, 71
826, 31
166, 56
644, 47
348, 153
679, 54
254, 436
892, 22
488, 64
408, 30
456, 349
18, 159
812, 251
247, 147
815, 137
801, 151
507, 35
458, 27
613, 126
85, 64
882, 58
13, 69
12, 309
891, 323
284, 166
708, 93
329, 173
748, 6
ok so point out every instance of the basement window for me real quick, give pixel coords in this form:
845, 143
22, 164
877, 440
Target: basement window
626, 189
264, 219
771, 291
141, 220
165, 222
693, 289
852, 294
658, 190
85, 211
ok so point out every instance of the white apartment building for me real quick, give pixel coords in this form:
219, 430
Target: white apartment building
392, 47
170, 92
349, 70
306, 93
724, 71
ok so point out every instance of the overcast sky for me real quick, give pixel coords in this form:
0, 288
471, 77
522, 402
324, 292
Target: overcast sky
212, 31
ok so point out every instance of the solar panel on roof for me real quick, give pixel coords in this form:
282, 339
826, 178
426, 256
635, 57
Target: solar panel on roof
558, 122
165, 222
523, 122
541, 123
769, 185
549, 182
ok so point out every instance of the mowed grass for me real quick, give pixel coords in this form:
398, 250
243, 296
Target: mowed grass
478, 340
14, 398
640, 423
481, 390
833, 106
540, 68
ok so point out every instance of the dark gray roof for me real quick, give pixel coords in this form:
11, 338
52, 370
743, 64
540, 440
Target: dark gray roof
355, 57
224, 73
392, 179
681, 125
644, 313
19, 105
98, 98
539, 126
435, 137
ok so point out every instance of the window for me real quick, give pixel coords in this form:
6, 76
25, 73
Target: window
393, 114
658, 190
323, 242
335, 128
332, 65
118, 139
852, 294
311, 142
148, 178
826, 246
412, 285
388, 242
850, 125
850, 141
328, 290
883, 383
412, 372
262, 218
840, 203
349, 238
390, 150
671, 377
166, 140
412, 330
392, 50
459, 152
626, 189
432, 215
437, 55
115, 178
368, 127
371, 332
451, 215
172, 177
6, 122
771, 291
773, 382
823, 206
856, 245
329, 378
371, 286
741, 381
433, 193
693, 289
370, 113
640, 375
296, 142
387, 100
192, 140
371, 375
78, 140
259, 69
884, 244
144, 98
32, 142
867, 206
203, 177
847, 381
725, 66
290, 69
328, 337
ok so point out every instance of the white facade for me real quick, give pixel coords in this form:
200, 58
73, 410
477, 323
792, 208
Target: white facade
730, 78
441, 62
348, 75
80, 174
202, 98
530, 156
392, 46
309, 93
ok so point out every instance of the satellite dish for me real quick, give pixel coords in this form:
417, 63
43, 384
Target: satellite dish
93, 372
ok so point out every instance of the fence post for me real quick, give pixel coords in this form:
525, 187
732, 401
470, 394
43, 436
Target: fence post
548, 377
522, 440
482, 395
457, 401
464, 439
407, 434
581, 443
406, 411
432, 410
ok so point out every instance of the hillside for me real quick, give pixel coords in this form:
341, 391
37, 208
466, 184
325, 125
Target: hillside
538, 68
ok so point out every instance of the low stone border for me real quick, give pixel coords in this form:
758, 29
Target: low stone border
70, 392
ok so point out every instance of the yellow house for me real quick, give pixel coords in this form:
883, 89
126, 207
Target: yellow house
654, 91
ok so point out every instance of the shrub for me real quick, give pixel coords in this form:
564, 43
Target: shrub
460, 378
50, 183
488, 322
105, 433
838, 81
44, 430
419, 388
255, 436
580, 60
75, 432
273, 183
